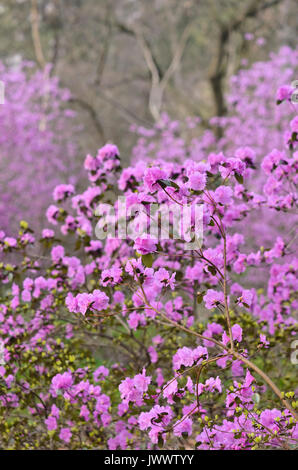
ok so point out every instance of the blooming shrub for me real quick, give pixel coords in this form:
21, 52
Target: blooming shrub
254, 126
37, 143
135, 342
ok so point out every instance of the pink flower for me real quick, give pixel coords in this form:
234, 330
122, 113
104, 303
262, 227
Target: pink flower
249, 379
213, 384
62, 381
246, 154
249, 36
187, 357
215, 159
10, 241
223, 195
145, 245
157, 340
111, 276
231, 167
151, 176
164, 278
71, 303
267, 418
55, 411
261, 41
183, 357
132, 389
197, 181
100, 373
183, 427
51, 423
90, 163
245, 299
294, 124
97, 300
170, 389
212, 329
48, 233
237, 333
26, 296
135, 319
57, 253
263, 341
108, 151
153, 354
62, 191
146, 419
52, 214
271, 161
141, 381
213, 298
126, 389
284, 93
84, 301
199, 353
65, 435
85, 413
100, 300
239, 265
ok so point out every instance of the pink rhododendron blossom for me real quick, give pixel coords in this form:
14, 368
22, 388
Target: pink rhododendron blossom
62, 191
187, 357
51, 423
145, 245
151, 176
284, 93
62, 381
294, 124
65, 435
137, 342
213, 298
223, 195
197, 181
245, 299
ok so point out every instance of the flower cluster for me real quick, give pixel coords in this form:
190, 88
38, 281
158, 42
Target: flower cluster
133, 343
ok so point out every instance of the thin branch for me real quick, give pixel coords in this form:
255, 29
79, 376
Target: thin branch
92, 113
34, 19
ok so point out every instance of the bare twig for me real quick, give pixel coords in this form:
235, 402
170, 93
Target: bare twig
35, 34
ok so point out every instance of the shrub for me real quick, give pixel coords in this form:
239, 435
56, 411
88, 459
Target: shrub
138, 342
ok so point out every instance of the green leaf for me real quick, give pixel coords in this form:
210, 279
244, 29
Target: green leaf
239, 178
149, 401
196, 193
160, 441
200, 296
212, 270
147, 260
78, 244
167, 183
9, 267
23, 224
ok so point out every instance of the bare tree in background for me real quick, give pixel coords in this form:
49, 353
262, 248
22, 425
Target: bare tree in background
126, 61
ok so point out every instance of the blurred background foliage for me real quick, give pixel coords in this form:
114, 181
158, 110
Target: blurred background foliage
126, 61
